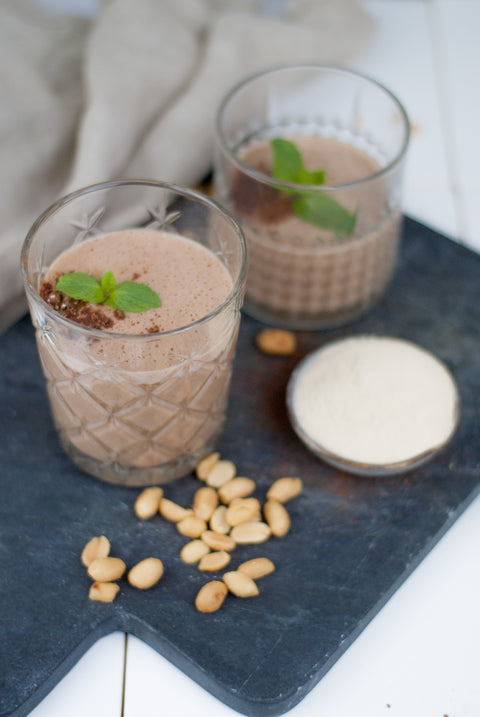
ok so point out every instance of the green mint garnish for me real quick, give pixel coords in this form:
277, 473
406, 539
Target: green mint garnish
130, 296
127, 296
288, 164
81, 286
324, 212
318, 209
108, 282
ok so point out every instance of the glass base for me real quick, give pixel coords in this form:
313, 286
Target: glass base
117, 474
309, 322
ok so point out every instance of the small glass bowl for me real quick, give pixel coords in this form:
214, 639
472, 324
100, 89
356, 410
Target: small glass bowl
350, 465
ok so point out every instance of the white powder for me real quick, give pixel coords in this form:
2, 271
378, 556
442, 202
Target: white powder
374, 400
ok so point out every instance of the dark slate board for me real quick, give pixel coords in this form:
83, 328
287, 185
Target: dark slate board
353, 541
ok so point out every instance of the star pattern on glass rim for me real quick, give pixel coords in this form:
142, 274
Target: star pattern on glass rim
87, 224
161, 219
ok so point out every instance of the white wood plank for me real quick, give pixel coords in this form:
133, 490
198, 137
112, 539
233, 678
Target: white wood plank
470, 202
93, 687
457, 24
153, 686
401, 56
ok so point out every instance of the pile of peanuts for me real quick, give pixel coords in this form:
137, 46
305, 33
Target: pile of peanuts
104, 570
223, 515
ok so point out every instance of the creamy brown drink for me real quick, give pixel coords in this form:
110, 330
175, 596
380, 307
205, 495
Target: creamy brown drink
188, 277
300, 274
135, 392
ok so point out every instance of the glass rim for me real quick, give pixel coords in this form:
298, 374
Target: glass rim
268, 179
187, 193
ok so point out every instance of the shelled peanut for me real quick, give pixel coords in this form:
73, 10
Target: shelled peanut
277, 342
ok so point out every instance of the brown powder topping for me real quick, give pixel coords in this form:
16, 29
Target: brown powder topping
75, 310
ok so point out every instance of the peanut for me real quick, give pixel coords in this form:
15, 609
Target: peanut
103, 592
205, 501
242, 510
250, 533
277, 342
104, 570
214, 561
218, 522
236, 488
193, 551
277, 518
172, 511
284, 489
257, 567
240, 584
221, 472
146, 573
211, 596
192, 526
218, 541
148, 502
98, 547
206, 465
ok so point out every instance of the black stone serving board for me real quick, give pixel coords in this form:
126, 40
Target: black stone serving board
353, 540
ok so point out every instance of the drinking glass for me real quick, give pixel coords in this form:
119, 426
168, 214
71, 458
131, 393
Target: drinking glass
320, 254
136, 409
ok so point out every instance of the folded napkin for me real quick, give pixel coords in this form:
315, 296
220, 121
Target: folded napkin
133, 93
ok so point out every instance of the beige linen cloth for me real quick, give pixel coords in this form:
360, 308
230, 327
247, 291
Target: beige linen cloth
133, 92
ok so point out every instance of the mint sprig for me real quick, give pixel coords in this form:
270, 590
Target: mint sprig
288, 164
128, 296
319, 208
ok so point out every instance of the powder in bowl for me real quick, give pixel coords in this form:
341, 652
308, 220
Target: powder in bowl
373, 405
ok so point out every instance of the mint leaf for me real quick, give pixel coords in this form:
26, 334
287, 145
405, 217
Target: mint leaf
287, 160
108, 282
319, 209
130, 296
81, 286
127, 296
317, 177
288, 164
324, 212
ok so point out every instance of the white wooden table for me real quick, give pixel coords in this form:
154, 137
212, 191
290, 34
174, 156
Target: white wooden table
420, 656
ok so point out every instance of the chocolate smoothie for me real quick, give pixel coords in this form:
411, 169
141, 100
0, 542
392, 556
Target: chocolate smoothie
129, 390
302, 276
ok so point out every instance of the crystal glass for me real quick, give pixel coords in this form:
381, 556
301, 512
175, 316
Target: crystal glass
303, 274
136, 409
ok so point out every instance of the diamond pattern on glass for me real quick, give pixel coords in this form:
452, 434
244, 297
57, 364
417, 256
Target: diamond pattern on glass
112, 416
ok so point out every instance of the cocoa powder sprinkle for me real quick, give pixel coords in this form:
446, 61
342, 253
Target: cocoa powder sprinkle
259, 200
75, 310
